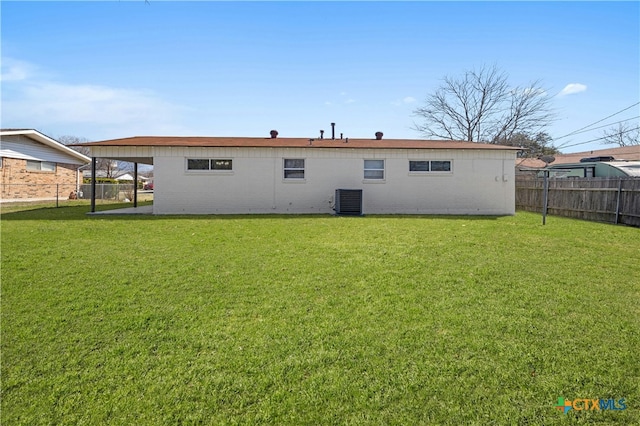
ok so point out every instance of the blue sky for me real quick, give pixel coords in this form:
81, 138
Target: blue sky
103, 70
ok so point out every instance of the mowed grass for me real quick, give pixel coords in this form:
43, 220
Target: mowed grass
314, 320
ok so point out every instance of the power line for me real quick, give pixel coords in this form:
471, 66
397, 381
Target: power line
599, 139
599, 121
599, 127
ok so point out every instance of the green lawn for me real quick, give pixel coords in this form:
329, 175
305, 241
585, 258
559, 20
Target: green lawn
314, 320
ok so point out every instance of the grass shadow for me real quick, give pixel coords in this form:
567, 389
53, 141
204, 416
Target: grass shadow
81, 212
65, 212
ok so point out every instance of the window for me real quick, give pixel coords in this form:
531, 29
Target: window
209, 164
41, 166
374, 169
418, 166
441, 166
197, 164
424, 166
220, 164
294, 168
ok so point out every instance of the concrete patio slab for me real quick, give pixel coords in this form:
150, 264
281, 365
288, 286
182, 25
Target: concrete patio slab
126, 211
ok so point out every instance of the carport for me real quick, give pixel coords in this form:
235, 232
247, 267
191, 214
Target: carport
120, 150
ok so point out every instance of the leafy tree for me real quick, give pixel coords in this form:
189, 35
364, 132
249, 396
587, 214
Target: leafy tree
532, 146
623, 135
481, 106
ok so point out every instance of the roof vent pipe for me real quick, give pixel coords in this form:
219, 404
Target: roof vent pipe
274, 134
321, 134
333, 130
379, 135
340, 135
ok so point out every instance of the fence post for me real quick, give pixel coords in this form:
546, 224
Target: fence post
545, 197
57, 192
618, 200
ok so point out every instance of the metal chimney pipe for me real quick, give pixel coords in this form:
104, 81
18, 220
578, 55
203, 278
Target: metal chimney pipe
333, 130
321, 134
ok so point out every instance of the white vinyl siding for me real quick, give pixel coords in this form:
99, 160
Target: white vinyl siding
29, 149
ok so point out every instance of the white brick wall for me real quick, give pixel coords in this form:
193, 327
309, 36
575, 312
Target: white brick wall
482, 181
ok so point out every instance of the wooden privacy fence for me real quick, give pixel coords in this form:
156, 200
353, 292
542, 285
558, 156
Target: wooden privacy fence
614, 200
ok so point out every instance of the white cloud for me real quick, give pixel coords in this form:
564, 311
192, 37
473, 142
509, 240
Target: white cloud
14, 70
349, 101
93, 104
42, 104
406, 100
32, 100
572, 88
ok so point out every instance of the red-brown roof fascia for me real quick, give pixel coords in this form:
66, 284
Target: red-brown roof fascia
238, 142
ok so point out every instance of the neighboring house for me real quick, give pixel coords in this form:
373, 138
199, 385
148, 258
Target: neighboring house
231, 175
35, 166
628, 153
118, 176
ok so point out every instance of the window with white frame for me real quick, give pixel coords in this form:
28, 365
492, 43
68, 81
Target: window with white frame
374, 169
41, 166
294, 168
215, 164
430, 166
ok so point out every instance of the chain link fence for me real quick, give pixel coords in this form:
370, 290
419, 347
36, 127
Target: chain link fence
111, 192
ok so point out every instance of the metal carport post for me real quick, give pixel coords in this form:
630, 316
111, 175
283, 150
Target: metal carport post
93, 184
135, 185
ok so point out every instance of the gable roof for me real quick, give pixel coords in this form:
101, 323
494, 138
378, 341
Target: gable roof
240, 142
12, 149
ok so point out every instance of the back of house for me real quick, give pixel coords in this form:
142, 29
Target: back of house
236, 175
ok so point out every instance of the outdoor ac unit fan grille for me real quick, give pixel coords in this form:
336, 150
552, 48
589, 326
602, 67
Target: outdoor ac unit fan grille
349, 201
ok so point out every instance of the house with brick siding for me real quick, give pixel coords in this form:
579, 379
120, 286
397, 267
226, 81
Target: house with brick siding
34, 166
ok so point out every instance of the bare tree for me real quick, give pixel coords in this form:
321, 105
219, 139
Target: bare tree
481, 106
109, 167
623, 135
